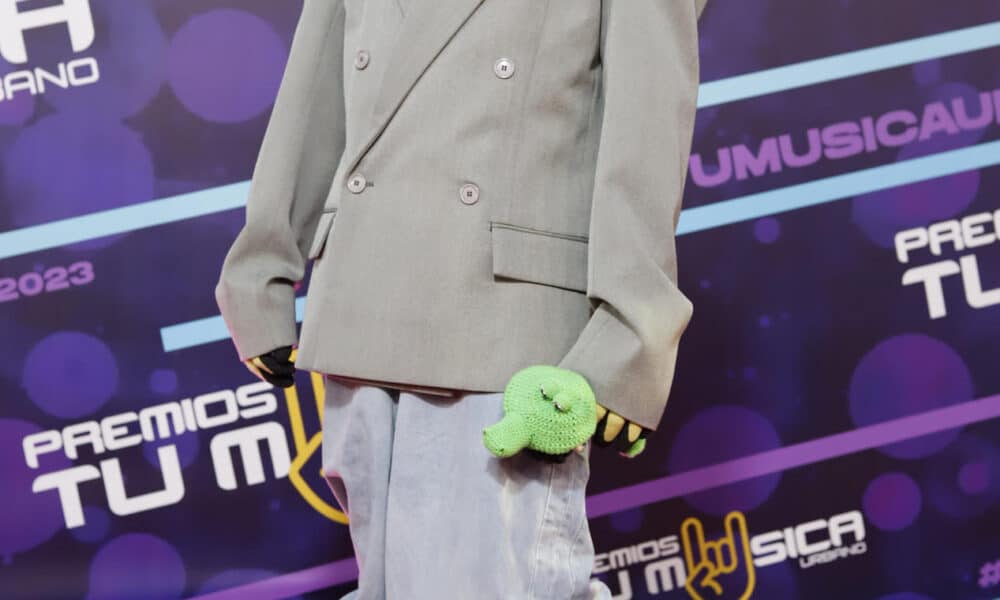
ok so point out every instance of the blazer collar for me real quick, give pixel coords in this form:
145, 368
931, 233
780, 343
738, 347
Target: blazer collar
426, 29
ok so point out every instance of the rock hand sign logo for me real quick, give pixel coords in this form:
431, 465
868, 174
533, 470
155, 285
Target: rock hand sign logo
15, 22
307, 446
726, 568
723, 567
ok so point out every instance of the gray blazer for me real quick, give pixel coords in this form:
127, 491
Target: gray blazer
482, 186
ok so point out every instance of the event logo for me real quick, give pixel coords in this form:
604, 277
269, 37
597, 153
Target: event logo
75, 16
894, 128
154, 425
960, 235
306, 447
224, 411
726, 568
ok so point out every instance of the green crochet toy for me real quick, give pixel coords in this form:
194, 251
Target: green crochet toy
547, 409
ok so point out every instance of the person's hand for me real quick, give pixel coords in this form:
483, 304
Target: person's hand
613, 429
277, 367
548, 412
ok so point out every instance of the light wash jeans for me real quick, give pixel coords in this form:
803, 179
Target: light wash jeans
435, 516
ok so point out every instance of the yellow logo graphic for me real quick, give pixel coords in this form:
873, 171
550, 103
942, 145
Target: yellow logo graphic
716, 565
306, 446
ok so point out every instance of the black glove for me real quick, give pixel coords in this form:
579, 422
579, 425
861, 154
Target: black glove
546, 457
275, 367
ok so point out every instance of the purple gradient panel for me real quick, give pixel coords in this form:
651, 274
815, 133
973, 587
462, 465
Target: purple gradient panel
130, 49
767, 230
718, 434
235, 578
963, 114
17, 110
892, 501
28, 519
788, 377
70, 374
881, 214
137, 565
188, 448
927, 72
974, 477
96, 526
964, 481
627, 521
87, 166
776, 581
226, 65
163, 382
906, 375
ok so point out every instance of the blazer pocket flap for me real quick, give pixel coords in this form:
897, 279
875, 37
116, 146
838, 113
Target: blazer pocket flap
322, 233
539, 257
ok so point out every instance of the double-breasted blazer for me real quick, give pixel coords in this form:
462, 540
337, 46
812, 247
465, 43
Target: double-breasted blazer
481, 185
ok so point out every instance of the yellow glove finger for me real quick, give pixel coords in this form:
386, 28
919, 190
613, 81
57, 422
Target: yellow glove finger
613, 426
601, 411
253, 369
260, 364
633, 431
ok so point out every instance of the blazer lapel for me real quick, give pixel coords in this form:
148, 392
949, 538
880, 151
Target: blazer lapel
426, 29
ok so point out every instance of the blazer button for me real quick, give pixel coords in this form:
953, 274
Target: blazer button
504, 68
469, 193
357, 183
361, 59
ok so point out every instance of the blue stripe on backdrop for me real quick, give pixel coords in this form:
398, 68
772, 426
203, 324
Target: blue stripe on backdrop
213, 200
205, 331
186, 206
838, 187
820, 191
849, 64
123, 220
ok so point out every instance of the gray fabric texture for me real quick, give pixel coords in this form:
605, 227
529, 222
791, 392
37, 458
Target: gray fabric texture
566, 257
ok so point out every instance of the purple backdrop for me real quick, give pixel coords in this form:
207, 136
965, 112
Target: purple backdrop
836, 402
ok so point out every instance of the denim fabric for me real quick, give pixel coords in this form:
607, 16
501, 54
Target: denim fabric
435, 516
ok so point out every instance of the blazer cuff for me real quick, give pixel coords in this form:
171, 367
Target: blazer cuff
630, 376
258, 325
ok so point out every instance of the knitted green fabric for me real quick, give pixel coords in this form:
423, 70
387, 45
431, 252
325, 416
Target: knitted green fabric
546, 408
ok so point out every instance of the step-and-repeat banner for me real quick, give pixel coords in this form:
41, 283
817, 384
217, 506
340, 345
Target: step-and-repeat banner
832, 431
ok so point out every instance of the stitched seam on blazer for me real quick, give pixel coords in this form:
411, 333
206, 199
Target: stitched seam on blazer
518, 137
585, 345
522, 228
591, 114
315, 252
313, 96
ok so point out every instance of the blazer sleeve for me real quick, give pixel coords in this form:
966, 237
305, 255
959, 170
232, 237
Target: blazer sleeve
299, 155
650, 77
